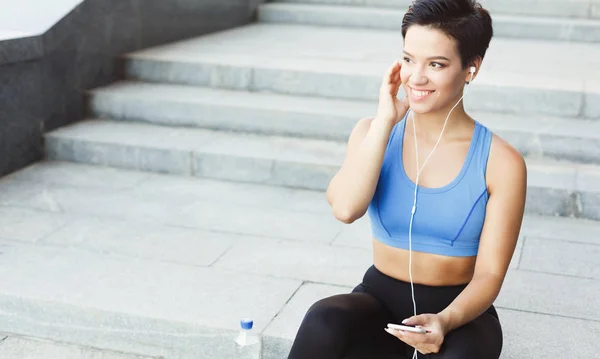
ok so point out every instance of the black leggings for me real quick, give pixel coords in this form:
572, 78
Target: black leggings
351, 326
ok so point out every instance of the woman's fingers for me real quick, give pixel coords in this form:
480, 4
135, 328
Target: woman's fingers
387, 107
413, 339
391, 82
393, 73
388, 74
396, 84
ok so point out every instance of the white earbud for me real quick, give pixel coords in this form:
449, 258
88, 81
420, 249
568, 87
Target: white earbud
472, 72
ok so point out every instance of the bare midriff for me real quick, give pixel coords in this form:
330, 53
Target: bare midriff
427, 268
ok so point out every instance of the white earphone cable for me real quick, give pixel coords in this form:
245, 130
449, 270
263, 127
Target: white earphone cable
414, 207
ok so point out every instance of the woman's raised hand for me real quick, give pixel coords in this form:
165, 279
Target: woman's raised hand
390, 108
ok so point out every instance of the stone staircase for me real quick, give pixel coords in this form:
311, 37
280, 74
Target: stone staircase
205, 167
558, 23
274, 102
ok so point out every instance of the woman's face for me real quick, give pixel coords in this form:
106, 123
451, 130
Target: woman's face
431, 74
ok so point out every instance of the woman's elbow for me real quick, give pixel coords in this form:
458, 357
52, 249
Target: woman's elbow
346, 214
343, 210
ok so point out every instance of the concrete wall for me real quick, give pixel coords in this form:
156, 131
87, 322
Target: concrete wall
43, 78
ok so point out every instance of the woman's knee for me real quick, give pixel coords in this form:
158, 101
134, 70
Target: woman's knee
480, 339
340, 310
329, 325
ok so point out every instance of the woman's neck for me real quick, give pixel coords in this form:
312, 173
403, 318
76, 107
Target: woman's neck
430, 124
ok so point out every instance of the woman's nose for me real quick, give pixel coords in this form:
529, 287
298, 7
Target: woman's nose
417, 78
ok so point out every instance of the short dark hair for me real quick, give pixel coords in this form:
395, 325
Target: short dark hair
463, 20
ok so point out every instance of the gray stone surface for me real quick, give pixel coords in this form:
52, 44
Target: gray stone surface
163, 243
302, 174
19, 46
569, 229
308, 201
551, 294
592, 101
550, 202
554, 188
584, 30
562, 257
228, 193
590, 205
121, 332
552, 175
162, 21
140, 287
26, 348
358, 51
189, 212
274, 223
15, 193
349, 63
76, 175
355, 235
28, 225
120, 277
595, 10
232, 167
319, 263
536, 336
333, 119
50, 55
274, 160
228, 110
20, 115
558, 8
102, 202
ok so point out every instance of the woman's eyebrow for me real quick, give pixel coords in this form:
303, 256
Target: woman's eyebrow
430, 58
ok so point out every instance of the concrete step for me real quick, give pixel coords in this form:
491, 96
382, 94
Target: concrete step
558, 8
349, 64
165, 266
19, 347
563, 189
527, 27
320, 118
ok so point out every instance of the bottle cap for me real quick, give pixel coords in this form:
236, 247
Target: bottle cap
247, 324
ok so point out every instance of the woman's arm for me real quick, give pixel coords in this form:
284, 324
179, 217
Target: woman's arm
352, 188
507, 183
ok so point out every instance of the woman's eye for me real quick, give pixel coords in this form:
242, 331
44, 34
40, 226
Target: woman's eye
406, 59
437, 65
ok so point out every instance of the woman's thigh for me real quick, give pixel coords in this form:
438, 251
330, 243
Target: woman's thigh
343, 326
479, 339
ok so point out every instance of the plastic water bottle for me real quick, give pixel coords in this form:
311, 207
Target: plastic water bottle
246, 337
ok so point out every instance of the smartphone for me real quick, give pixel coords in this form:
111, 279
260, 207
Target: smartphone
407, 328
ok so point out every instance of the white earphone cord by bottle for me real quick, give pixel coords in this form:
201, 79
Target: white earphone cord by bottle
414, 207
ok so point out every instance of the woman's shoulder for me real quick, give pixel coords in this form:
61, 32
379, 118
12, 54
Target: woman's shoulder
360, 129
505, 162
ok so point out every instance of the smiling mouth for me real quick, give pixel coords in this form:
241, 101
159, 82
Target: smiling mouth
420, 93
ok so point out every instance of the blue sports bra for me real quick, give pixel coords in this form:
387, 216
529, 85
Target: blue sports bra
449, 219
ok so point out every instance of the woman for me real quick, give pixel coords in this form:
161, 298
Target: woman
455, 252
